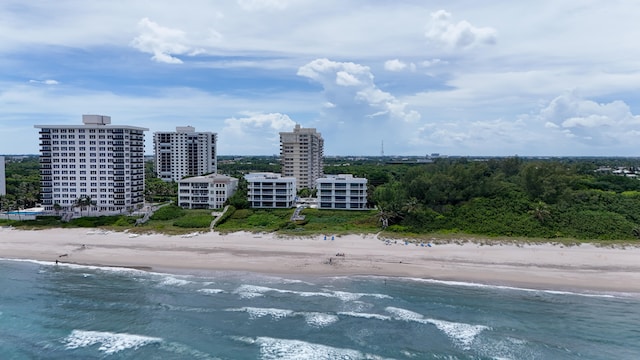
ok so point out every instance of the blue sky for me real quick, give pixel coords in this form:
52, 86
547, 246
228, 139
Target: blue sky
497, 78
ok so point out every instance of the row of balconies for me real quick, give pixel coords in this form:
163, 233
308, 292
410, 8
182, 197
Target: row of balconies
265, 197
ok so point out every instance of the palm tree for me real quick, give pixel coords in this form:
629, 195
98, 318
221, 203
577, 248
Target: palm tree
82, 202
540, 212
57, 208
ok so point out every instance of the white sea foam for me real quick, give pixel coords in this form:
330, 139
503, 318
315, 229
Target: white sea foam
212, 291
503, 287
110, 343
315, 319
250, 291
364, 315
461, 333
319, 320
173, 281
255, 312
285, 349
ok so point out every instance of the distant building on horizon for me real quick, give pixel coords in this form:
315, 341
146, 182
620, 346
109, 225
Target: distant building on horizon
301, 156
96, 160
343, 191
206, 192
3, 175
270, 190
184, 153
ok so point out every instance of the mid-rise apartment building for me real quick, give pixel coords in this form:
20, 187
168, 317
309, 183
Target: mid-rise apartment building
270, 190
184, 152
342, 191
206, 192
97, 161
301, 153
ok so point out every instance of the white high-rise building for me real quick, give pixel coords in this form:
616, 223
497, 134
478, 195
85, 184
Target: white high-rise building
3, 183
184, 152
301, 153
96, 160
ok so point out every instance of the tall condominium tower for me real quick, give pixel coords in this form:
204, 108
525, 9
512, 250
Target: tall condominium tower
184, 152
97, 161
301, 153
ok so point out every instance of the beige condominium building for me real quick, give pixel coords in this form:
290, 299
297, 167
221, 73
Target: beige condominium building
206, 192
184, 152
301, 153
97, 161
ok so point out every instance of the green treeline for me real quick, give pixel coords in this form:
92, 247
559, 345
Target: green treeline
514, 197
511, 197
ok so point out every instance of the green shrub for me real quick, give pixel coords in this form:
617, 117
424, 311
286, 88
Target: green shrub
200, 221
168, 212
241, 214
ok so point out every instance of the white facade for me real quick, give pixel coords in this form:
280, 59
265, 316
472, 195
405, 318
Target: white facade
301, 153
3, 175
206, 192
184, 152
270, 190
97, 160
342, 192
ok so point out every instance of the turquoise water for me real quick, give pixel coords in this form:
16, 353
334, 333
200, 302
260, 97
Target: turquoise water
50, 311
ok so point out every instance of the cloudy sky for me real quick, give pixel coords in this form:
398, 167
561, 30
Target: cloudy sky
500, 77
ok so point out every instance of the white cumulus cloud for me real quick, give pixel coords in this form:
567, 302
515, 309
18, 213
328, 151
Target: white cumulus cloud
256, 131
165, 43
350, 87
589, 121
441, 29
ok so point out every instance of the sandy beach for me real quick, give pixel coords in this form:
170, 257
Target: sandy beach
540, 266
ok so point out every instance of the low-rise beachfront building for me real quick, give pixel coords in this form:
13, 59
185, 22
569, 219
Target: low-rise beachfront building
271, 190
206, 192
343, 191
96, 162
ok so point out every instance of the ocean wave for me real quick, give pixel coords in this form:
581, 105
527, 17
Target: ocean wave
249, 291
314, 319
255, 312
317, 319
286, 349
504, 287
211, 291
364, 315
461, 333
169, 280
110, 343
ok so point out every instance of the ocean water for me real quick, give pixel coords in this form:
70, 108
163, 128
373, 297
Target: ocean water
50, 311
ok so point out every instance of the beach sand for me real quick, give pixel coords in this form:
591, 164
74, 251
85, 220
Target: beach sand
539, 266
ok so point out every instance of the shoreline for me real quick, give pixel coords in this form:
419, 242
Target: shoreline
531, 266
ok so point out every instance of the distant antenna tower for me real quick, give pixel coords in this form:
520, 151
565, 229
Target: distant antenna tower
382, 148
